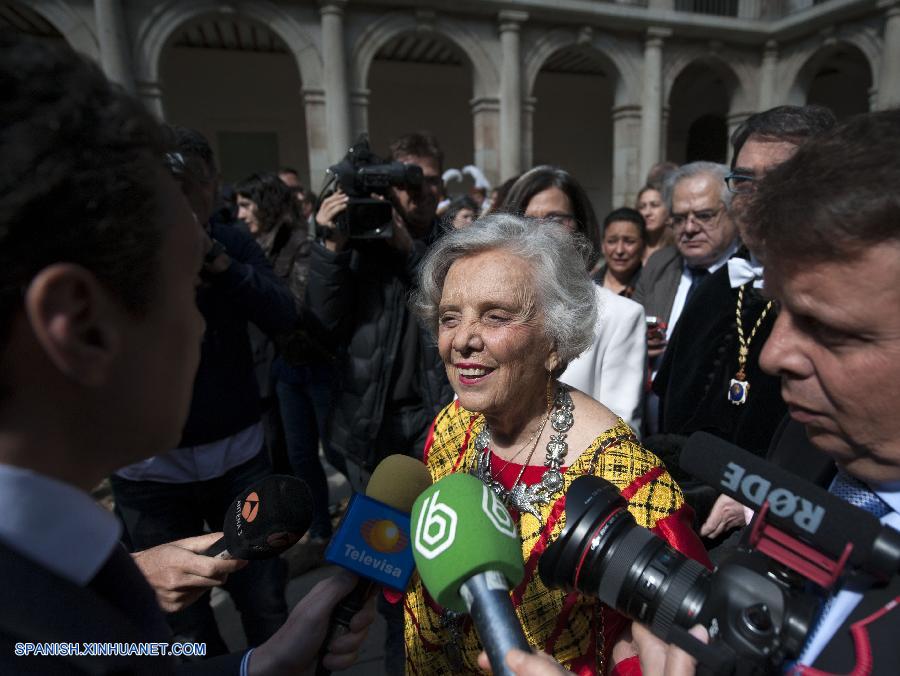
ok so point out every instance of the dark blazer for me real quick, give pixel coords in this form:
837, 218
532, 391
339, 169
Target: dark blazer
792, 450
117, 606
659, 281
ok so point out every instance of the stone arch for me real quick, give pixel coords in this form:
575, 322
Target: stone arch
698, 127
625, 68
485, 77
803, 66
162, 23
78, 33
738, 79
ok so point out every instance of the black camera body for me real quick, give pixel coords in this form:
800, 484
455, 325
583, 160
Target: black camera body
759, 605
756, 618
362, 174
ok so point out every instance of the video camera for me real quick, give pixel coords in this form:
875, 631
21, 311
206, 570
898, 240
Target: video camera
362, 174
758, 606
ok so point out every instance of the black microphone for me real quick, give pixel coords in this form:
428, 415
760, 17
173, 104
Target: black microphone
265, 519
795, 506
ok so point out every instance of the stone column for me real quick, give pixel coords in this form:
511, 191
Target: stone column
486, 125
510, 94
651, 99
748, 9
359, 113
626, 148
115, 56
889, 78
335, 73
528, 108
320, 155
150, 93
767, 76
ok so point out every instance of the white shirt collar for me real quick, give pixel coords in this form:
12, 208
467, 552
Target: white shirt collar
54, 524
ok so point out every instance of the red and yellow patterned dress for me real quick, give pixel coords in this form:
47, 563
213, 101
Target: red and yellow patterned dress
575, 629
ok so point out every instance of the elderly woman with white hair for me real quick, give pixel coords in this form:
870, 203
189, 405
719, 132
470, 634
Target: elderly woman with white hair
511, 307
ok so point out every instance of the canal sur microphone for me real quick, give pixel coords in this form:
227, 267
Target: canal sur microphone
265, 519
468, 554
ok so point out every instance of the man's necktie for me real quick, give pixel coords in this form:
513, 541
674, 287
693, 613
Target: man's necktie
852, 490
698, 274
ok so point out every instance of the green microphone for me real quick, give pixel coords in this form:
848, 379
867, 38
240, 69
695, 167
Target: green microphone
468, 554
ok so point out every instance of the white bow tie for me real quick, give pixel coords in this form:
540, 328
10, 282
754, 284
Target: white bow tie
741, 271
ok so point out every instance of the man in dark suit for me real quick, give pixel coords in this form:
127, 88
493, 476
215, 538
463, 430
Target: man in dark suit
100, 336
705, 236
836, 348
709, 379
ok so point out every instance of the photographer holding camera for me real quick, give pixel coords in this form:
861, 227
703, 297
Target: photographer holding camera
827, 224
391, 381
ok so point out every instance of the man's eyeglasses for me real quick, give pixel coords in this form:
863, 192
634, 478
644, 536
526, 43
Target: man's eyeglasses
703, 218
740, 184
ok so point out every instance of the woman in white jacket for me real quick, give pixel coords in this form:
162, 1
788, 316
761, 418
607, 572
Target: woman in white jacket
614, 369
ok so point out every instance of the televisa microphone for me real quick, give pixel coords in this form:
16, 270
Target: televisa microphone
265, 519
795, 506
468, 554
373, 538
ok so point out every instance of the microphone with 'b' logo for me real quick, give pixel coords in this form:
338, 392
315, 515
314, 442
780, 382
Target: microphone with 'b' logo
468, 554
265, 519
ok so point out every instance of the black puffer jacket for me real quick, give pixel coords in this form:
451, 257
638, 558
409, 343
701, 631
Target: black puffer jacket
359, 296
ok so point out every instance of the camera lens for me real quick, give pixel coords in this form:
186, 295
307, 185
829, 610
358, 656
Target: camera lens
602, 552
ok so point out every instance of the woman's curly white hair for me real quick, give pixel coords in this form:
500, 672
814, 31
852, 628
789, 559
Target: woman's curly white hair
556, 258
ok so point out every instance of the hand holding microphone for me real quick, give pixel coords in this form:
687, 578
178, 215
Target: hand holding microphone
265, 519
468, 553
373, 538
180, 573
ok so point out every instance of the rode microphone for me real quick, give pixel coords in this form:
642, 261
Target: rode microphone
265, 519
851, 536
373, 538
468, 553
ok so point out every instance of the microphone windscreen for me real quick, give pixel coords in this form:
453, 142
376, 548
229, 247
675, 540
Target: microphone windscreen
795, 506
397, 481
268, 517
461, 528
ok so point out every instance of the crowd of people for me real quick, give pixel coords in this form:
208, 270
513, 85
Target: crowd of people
183, 344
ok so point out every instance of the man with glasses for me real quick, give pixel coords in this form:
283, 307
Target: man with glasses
710, 378
705, 236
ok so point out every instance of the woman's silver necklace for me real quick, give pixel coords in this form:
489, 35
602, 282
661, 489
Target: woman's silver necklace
522, 498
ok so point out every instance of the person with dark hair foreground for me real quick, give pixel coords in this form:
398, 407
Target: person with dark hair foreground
835, 346
624, 239
612, 369
100, 339
302, 370
222, 448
